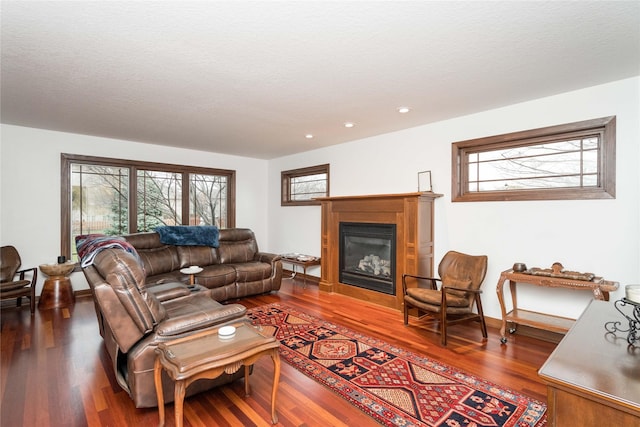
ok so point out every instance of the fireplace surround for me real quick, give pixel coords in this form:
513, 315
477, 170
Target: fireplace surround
412, 216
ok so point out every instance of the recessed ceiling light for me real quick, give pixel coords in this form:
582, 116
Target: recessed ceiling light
403, 110
349, 124
308, 136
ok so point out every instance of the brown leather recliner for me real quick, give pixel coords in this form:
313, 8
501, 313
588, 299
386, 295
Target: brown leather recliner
133, 321
25, 286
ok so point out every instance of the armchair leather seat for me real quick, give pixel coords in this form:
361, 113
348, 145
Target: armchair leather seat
24, 286
431, 299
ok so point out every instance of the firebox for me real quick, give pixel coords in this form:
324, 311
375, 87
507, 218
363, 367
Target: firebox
367, 257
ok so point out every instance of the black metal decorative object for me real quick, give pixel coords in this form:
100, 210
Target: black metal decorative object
633, 330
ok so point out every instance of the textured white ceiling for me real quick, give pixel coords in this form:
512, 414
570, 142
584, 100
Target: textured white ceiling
252, 78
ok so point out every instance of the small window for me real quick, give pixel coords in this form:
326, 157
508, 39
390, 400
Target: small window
571, 161
302, 186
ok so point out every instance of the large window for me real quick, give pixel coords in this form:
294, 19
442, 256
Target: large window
301, 186
572, 161
114, 197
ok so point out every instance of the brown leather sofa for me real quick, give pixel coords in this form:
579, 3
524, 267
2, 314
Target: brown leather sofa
235, 269
143, 300
133, 321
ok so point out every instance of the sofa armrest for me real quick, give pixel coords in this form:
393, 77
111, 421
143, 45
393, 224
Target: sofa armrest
267, 257
168, 291
199, 313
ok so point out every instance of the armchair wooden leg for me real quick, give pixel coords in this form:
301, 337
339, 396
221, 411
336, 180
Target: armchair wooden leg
483, 324
406, 314
443, 327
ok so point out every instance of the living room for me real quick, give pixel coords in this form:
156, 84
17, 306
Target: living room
599, 236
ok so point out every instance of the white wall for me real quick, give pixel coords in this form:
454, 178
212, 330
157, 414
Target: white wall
599, 236
30, 186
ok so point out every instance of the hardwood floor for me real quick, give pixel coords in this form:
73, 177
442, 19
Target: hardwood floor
54, 370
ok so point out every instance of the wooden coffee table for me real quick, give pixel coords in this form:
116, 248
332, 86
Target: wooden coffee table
206, 355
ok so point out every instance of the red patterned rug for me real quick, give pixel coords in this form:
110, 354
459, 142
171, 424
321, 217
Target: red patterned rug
394, 386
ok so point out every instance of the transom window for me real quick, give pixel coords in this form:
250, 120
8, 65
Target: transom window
302, 186
572, 161
114, 197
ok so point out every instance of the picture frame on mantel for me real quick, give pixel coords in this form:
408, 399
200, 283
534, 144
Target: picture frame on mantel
424, 181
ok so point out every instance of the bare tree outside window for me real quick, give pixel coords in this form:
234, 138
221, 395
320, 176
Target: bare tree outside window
207, 202
309, 186
99, 197
115, 197
159, 199
302, 186
562, 164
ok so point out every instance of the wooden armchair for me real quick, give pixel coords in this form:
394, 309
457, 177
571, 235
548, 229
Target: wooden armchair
24, 286
461, 277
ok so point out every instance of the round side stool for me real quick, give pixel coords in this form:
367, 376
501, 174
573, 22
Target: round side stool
57, 291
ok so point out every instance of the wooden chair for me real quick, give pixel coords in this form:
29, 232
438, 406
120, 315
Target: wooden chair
461, 276
11, 288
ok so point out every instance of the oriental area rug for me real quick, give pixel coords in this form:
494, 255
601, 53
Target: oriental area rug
394, 386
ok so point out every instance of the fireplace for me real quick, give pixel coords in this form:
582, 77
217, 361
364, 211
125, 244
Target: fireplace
410, 216
367, 256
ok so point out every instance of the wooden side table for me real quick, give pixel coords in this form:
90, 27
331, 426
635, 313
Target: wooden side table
303, 261
57, 291
600, 289
191, 272
207, 355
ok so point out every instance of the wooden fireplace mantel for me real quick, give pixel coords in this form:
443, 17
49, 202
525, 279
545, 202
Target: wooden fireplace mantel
412, 213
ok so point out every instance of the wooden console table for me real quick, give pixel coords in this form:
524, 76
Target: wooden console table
593, 377
600, 289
